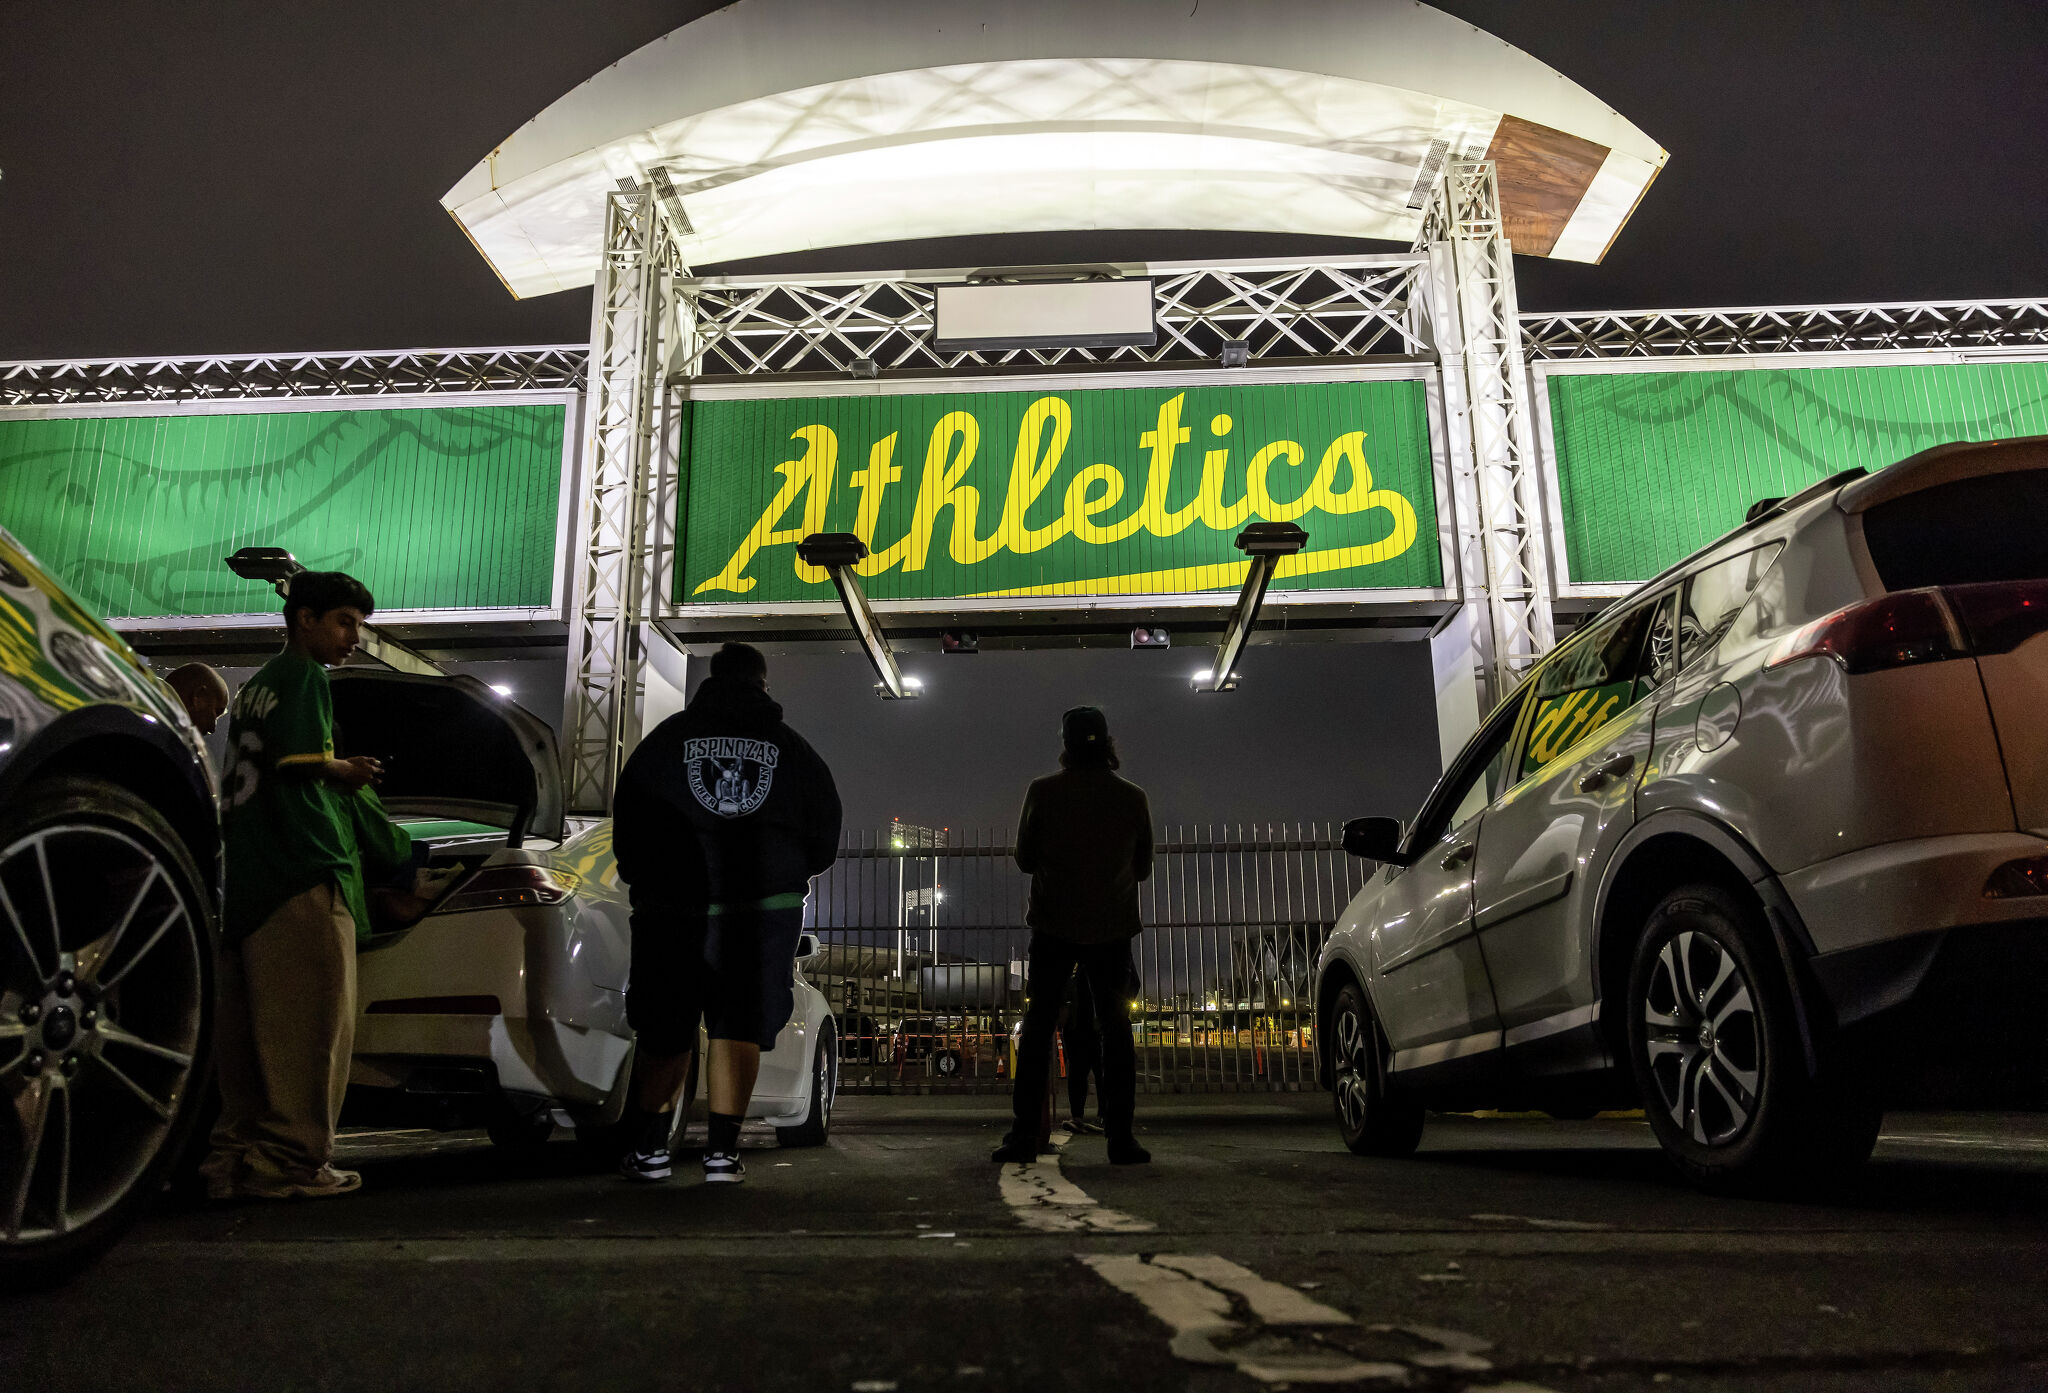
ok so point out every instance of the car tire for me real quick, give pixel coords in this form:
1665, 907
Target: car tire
817, 1124
140, 1014
519, 1134
1714, 1044
946, 1064
1372, 1120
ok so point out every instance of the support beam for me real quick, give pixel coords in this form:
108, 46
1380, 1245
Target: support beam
633, 314
1503, 554
836, 553
1265, 543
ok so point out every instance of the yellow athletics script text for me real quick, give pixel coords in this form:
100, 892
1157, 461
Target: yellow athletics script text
1092, 495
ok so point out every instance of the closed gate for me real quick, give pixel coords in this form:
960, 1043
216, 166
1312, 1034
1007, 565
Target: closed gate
924, 947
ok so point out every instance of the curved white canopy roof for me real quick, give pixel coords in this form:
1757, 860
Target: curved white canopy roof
794, 124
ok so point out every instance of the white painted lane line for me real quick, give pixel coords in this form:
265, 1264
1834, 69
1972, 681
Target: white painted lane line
1560, 1225
1045, 1199
1199, 1315
1269, 1301
1978, 1140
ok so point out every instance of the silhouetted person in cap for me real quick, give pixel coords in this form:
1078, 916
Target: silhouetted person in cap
1085, 839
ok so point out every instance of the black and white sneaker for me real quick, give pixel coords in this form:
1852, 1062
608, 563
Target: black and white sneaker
646, 1163
723, 1167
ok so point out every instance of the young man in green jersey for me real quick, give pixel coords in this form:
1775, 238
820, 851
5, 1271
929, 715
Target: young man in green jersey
287, 1001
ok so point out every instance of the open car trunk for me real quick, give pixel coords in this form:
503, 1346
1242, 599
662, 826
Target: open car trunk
453, 751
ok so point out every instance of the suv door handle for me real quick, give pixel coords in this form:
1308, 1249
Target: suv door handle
1600, 775
1458, 855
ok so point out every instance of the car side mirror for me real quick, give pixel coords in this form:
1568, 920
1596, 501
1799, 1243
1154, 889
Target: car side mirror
1374, 839
807, 947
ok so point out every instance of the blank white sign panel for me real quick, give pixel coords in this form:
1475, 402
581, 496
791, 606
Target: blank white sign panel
1045, 314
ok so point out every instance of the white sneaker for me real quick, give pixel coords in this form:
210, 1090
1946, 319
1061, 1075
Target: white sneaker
721, 1167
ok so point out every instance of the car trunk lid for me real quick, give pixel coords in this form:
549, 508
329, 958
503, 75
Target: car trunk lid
1968, 519
455, 752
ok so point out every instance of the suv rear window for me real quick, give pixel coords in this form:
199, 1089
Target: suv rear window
1992, 527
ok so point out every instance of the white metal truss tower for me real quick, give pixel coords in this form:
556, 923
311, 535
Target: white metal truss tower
635, 325
1502, 554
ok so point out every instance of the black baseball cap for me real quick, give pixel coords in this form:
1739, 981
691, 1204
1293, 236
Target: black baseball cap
1084, 728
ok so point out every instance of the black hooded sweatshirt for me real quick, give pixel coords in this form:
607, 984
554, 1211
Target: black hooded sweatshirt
724, 804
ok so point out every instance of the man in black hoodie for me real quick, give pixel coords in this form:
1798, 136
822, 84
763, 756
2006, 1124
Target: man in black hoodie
722, 816
1085, 839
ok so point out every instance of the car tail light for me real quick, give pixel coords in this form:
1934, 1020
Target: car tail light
2000, 615
2018, 879
502, 887
1895, 630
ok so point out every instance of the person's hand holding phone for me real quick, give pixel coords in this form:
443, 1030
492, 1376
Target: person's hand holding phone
355, 773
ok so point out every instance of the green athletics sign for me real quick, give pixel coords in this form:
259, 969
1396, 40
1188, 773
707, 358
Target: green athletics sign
1102, 491
1653, 465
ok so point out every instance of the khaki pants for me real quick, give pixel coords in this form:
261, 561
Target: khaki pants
286, 1024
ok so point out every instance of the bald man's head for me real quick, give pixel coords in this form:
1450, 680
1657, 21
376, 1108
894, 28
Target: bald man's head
204, 692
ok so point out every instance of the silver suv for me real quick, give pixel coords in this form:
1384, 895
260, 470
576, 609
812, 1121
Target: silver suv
1763, 848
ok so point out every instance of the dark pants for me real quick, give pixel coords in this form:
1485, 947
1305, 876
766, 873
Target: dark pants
1082, 1042
1105, 969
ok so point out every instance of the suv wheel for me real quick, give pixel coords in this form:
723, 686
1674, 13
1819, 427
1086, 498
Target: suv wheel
106, 1018
1373, 1121
1714, 1045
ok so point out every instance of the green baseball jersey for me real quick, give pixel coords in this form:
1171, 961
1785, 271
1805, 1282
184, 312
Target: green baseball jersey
284, 827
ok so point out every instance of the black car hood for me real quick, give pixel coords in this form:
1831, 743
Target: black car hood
451, 744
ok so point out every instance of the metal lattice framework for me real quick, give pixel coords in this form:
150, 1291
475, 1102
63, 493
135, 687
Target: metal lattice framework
1497, 502
1987, 326
634, 311
271, 376
1281, 310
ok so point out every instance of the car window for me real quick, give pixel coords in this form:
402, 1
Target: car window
1660, 650
1715, 596
1476, 778
1598, 676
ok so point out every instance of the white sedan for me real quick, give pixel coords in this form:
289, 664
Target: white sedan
505, 1004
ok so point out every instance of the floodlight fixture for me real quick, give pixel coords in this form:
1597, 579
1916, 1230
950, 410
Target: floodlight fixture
836, 554
1236, 352
272, 564
1151, 638
1265, 543
959, 641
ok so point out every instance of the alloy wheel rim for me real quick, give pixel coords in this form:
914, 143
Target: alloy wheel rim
1702, 1038
101, 1004
828, 1079
1353, 1082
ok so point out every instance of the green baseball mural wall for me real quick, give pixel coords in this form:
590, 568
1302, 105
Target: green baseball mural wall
1104, 491
433, 508
1654, 465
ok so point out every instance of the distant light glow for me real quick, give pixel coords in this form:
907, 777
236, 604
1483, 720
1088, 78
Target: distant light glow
913, 681
501, 689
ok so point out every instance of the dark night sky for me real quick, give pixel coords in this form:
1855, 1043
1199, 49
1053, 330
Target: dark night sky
240, 177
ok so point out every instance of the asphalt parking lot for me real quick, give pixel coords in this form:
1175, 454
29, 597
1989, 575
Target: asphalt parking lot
1511, 1254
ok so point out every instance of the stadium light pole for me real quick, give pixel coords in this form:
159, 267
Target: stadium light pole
1265, 543
276, 567
836, 553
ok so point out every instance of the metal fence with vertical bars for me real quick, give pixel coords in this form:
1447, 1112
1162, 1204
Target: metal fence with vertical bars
924, 946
